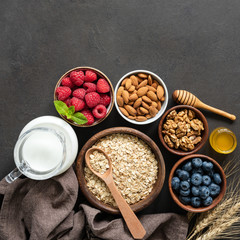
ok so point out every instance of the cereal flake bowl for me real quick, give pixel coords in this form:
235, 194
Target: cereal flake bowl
217, 168
177, 141
141, 106
110, 94
138, 186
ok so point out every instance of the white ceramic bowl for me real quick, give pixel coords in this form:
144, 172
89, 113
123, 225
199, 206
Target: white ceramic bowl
164, 104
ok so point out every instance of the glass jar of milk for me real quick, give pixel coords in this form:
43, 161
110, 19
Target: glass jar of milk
47, 146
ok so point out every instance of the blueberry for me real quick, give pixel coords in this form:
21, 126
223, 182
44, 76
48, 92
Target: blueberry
211, 173
196, 179
185, 200
197, 170
195, 191
196, 162
206, 180
208, 201
207, 166
175, 183
178, 171
184, 185
204, 192
184, 193
183, 175
196, 201
214, 189
217, 178
187, 167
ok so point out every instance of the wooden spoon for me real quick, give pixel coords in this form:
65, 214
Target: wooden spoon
134, 225
187, 98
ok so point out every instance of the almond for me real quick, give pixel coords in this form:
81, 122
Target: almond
160, 92
159, 105
125, 96
137, 103
141, 118
145, 105
139, 80
142, 91
152, 88
143, 110
130, 110
131, 103
153, 111
133, 97
151, 95
120, 90
139, 113
123, 82
154, 85
120, 101
128, 83
124, 111
148, 116
134, 80
146, 99
142, 84
162, 99
150, 81
154, 104
132, 117
142, 75
131, 89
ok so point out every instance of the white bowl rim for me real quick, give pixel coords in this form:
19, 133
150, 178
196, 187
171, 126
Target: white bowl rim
165, 103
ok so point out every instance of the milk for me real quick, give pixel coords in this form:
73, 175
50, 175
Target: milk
43, 151
69, 134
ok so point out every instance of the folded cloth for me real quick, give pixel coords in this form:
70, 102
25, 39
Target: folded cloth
39, 210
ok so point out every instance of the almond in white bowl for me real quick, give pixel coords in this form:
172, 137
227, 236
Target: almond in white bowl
141, 97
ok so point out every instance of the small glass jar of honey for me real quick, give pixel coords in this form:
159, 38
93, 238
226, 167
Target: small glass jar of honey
223, 140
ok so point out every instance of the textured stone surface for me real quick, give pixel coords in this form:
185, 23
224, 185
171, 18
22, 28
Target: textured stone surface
192, 45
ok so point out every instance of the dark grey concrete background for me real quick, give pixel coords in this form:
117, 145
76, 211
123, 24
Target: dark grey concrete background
192, 45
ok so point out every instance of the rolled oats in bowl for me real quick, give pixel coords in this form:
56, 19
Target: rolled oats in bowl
135, 168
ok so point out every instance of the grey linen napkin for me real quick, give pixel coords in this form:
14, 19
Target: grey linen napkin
39, 210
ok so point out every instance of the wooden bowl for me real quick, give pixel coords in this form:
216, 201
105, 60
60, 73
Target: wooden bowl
80, 164
100, 75
204, 135
215, 200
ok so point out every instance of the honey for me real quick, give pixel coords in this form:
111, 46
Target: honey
223, 140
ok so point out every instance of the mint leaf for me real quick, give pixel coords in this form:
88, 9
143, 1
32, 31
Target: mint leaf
61, 107
79, 118
71, 110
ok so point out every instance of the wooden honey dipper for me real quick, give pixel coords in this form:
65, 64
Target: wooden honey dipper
187, 98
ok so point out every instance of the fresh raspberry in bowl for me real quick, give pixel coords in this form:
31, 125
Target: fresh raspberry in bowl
84, 96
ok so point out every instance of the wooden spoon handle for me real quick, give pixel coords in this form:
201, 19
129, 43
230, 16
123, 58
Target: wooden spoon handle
215, 110
134, 225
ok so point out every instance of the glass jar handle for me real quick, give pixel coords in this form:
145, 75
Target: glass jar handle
16, 173
13, 175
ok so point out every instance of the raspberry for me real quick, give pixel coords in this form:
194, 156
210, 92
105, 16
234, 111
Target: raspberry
68, 102
99, 111
77, 77
90, 76
87, 113
77, 103
103, 86
89, 87
104, 99
63, 93
79, 93
92, 99
67, 82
